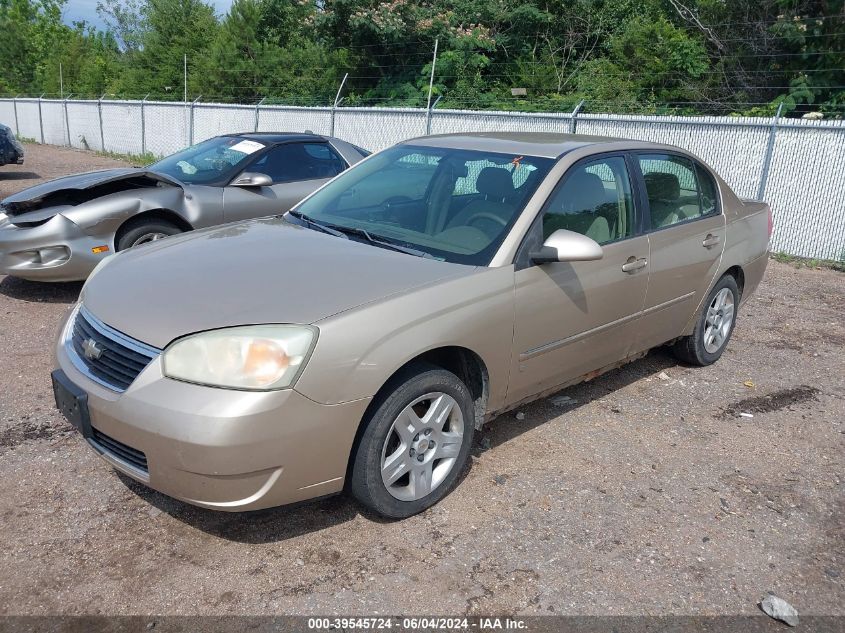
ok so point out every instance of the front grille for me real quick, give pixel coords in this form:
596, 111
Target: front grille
106, 355
119, 450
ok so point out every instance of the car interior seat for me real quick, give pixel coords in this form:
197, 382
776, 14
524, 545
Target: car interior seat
495, 184
578, 208
664, 198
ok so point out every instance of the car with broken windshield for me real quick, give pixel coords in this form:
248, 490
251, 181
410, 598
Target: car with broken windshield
358, 341
61, 229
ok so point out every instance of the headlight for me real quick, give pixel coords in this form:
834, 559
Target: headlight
254, 358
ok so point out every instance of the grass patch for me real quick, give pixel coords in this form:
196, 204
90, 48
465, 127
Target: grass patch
26, 139
804, 262
136, 160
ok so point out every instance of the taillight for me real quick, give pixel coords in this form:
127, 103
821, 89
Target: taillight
771, 223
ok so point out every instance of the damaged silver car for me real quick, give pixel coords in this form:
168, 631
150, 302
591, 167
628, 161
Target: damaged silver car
60, 230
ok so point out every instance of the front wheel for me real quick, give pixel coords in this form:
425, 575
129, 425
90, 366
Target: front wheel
714, 326
145, 231
415, 444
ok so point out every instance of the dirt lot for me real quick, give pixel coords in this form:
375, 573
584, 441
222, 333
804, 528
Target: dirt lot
648, 494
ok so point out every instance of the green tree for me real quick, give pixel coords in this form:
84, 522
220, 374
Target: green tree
30, 31
172, 29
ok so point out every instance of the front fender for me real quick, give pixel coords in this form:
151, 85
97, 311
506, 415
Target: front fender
102, 217
358, 351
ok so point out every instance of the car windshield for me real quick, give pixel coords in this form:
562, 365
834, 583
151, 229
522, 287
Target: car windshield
210, 161
454, 205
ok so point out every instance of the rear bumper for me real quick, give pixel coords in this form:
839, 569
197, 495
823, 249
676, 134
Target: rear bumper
218, 448
57, 250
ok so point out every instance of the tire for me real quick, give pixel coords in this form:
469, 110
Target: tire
708, 340
428, 392
144, 230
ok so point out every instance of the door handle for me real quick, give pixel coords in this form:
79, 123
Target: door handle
710, 241
633, 264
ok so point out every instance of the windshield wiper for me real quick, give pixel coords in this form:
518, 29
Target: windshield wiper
325, 228
379, 240
346, 231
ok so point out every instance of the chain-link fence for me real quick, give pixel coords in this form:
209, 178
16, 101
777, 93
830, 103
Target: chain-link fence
795, 165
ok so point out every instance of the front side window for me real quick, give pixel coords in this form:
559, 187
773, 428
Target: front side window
672, 186
299, 161
455, 205
595, 200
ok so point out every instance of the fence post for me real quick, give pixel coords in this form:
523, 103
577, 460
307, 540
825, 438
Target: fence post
257, 107
15, 106
429, 113
67, 120
770, 148
336, 101
143, 127
41, 118
100, 115
191, 128
574, 115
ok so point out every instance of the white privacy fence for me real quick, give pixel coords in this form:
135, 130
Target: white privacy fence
797, 166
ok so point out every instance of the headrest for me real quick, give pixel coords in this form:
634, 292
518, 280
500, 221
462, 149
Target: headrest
662, 186
495, 182
585, 192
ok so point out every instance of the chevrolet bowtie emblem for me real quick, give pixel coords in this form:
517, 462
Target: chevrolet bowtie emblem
91, 350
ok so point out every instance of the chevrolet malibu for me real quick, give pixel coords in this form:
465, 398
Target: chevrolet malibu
61, 229
359, 340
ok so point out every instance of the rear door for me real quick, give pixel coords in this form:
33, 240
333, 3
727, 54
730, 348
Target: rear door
572, 318
686, 229
296, 170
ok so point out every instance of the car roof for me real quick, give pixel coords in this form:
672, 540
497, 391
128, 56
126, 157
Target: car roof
279, 137
546, 145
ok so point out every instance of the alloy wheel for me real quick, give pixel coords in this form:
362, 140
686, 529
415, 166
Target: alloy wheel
146, 238
719, 320
422, 446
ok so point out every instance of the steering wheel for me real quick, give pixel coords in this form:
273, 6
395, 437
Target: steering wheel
486, 215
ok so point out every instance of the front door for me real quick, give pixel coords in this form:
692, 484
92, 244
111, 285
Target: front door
296, 170
574, 318
687, 235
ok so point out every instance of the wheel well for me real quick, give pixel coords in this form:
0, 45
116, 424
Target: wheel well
155, 214
739, 277
464, 363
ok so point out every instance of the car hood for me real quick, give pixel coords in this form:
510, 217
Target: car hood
261, 271
31, 198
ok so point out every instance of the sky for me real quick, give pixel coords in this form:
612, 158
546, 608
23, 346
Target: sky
76, 10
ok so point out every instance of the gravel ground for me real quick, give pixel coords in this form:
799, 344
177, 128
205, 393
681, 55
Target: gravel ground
646, 494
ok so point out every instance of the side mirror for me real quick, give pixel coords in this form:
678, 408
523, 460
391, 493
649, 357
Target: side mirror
252, 179
567, 246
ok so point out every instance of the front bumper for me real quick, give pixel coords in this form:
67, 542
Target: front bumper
219, 448
57, 250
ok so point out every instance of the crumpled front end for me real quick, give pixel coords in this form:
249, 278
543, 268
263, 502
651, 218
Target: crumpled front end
60, 230
51, 249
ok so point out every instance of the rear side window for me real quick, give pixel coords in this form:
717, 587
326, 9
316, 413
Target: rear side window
594, 200
678, 190
709, 193
299, 161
